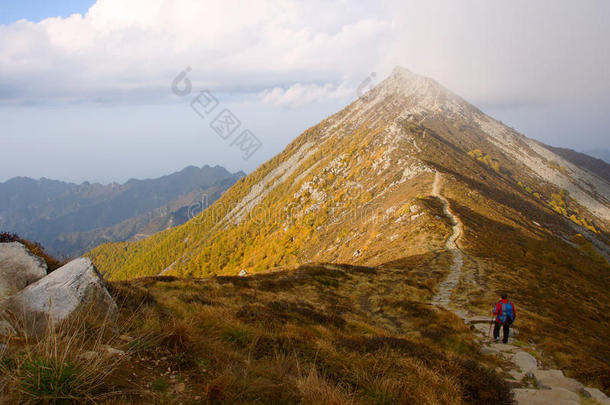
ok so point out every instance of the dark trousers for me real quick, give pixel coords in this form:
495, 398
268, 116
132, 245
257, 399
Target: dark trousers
505, 329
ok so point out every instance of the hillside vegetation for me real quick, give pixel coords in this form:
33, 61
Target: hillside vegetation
320, 333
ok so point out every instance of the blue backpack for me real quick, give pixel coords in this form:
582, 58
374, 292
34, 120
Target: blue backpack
507, 313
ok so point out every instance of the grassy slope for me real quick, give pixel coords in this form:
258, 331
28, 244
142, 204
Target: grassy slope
315, 334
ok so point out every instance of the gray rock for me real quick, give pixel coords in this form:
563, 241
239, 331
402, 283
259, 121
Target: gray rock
556, 379
58, 295
525, 361
481, 328
596, 395
488, 350
114, 352
243, 273
18, 268
556, 396
505, 348
517, 375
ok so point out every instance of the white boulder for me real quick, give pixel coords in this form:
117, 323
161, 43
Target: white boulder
56, 296
18, 268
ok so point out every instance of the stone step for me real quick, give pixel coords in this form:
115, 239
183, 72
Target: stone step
481, 328
555, 396
517, 375
556, 379
596, 395
501, 347
525, 361
479, 319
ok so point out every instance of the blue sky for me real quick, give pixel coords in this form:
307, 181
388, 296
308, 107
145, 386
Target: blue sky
36, 10
87, 96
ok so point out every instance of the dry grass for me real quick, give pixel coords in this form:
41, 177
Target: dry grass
319, 333
68, 363
329, 334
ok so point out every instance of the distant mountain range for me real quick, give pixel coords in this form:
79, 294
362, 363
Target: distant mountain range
603, 154
69, 219
594, 161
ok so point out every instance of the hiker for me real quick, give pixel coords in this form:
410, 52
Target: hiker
505, 315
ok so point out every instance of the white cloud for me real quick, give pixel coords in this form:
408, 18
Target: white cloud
300, 94
141, 45
294, 51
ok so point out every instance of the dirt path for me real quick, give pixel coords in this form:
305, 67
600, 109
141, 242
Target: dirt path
446, 287
541, 386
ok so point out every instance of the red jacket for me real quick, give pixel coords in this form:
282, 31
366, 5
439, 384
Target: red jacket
498, 309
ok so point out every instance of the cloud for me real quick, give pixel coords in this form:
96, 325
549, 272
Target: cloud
138, 47
300, 94
292, 52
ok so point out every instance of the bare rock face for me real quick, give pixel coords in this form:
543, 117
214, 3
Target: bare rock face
55, 297
18, 268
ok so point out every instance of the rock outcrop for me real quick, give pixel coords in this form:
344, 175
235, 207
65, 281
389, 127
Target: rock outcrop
55, 297
18, 268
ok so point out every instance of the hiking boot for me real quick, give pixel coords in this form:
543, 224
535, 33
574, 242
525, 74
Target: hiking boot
496, 340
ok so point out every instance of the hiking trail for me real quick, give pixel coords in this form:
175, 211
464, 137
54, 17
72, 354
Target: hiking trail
446, 287
549, 386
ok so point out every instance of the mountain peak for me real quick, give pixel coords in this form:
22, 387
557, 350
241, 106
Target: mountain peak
418, 94
405, 73
411, 83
